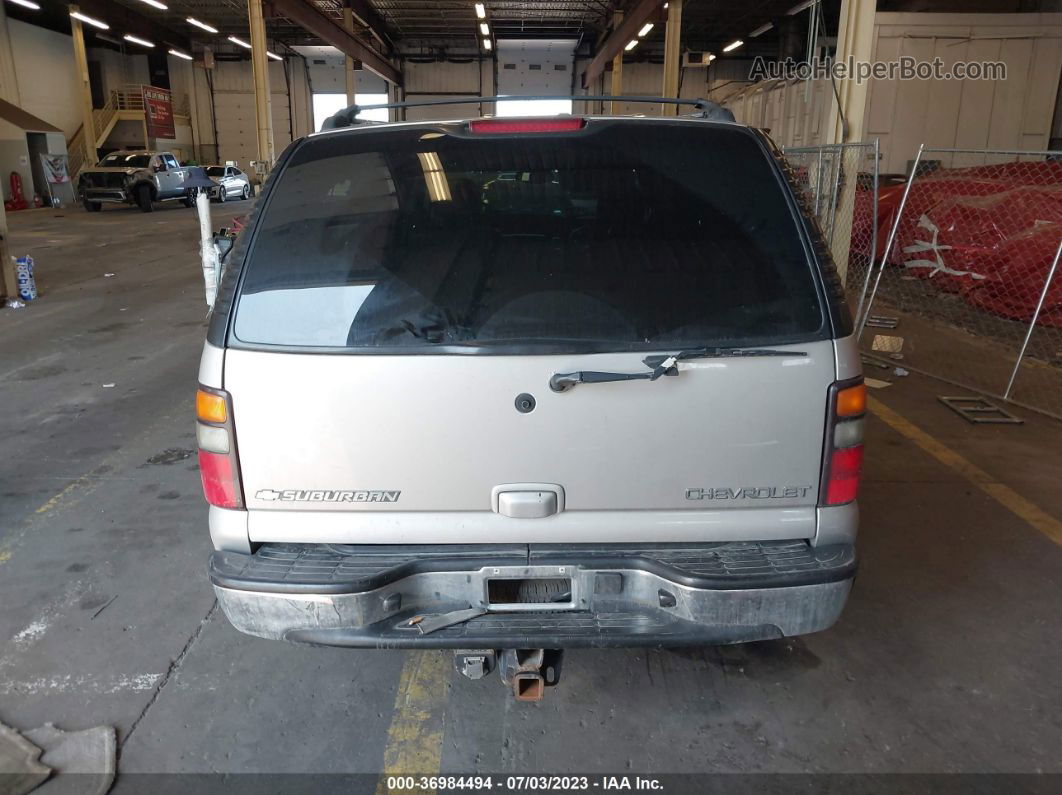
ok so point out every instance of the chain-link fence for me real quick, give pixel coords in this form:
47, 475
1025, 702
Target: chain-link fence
840, 184
966, 288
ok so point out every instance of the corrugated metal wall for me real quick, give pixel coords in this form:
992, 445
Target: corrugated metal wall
232, 112
440, 80
647, 79
447, 80
1003, 114
328, 76
1015, 113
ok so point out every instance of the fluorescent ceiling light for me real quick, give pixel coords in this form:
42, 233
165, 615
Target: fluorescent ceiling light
733, 45
180, 54
800, 7
241, 42
484, 28
434, 177
631, 45
89, 20
481, 11
761, 30
274, 56
135, 40
27, 4
648, 26
201, 25
156, 4
486, 44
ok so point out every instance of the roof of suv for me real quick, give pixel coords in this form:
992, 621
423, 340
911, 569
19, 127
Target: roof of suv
369, 124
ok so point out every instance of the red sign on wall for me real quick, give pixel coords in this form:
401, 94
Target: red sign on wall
158, 112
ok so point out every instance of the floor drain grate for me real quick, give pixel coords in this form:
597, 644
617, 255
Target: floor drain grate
976, 409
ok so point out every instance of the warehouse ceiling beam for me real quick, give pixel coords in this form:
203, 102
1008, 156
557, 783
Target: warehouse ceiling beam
366, 15
314, 22
621, 34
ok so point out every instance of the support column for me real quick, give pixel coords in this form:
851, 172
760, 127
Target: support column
352, 79
84, 90
672, 55
617, 67
9, 284
8, 77
260, 66
855, 39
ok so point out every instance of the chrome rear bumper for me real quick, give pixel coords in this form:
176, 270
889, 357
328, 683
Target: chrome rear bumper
615, 599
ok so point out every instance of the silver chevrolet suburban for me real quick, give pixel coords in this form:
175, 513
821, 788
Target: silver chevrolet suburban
526, 384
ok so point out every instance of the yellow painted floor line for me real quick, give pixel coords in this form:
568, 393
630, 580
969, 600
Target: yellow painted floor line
414, 740
1002, 493
55, 501
67, 496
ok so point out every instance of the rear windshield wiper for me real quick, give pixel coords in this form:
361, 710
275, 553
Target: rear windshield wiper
704, 352
561, 382
661, 364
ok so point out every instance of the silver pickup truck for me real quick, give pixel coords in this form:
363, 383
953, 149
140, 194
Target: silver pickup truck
141, 178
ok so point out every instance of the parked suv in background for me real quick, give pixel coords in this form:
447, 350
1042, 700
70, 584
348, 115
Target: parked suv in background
232, 183
133, 177
531, 384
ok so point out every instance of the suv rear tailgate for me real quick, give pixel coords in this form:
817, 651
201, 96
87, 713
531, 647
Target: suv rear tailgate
407, 449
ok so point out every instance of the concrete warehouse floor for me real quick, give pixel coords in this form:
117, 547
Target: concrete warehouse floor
947, 658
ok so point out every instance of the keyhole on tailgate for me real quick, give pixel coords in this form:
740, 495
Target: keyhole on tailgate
525, 403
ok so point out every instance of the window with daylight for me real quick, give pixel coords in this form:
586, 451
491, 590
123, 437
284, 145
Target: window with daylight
324, 105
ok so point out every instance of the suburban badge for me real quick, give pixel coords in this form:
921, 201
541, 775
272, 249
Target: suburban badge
326, 495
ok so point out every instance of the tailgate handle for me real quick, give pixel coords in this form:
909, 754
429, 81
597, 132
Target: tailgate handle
527, 500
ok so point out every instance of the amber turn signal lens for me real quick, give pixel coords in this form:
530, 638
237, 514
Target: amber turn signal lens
852, 401
210, 408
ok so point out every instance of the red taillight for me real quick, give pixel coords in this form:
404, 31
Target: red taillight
842, 464
506, 126
218, 465
846, 467
221, 487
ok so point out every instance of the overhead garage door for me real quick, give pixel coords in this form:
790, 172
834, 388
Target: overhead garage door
238, 129
534, 68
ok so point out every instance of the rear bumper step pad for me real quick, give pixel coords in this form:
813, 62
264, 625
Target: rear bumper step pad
666, 595
339, 569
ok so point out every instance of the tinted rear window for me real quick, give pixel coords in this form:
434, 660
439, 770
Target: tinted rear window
624, 236
215, 171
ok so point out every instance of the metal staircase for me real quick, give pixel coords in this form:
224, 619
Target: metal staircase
123, 104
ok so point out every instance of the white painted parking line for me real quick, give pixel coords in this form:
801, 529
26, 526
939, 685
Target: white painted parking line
81, 683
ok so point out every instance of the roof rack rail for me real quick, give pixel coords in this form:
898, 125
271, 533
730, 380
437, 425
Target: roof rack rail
703, 108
